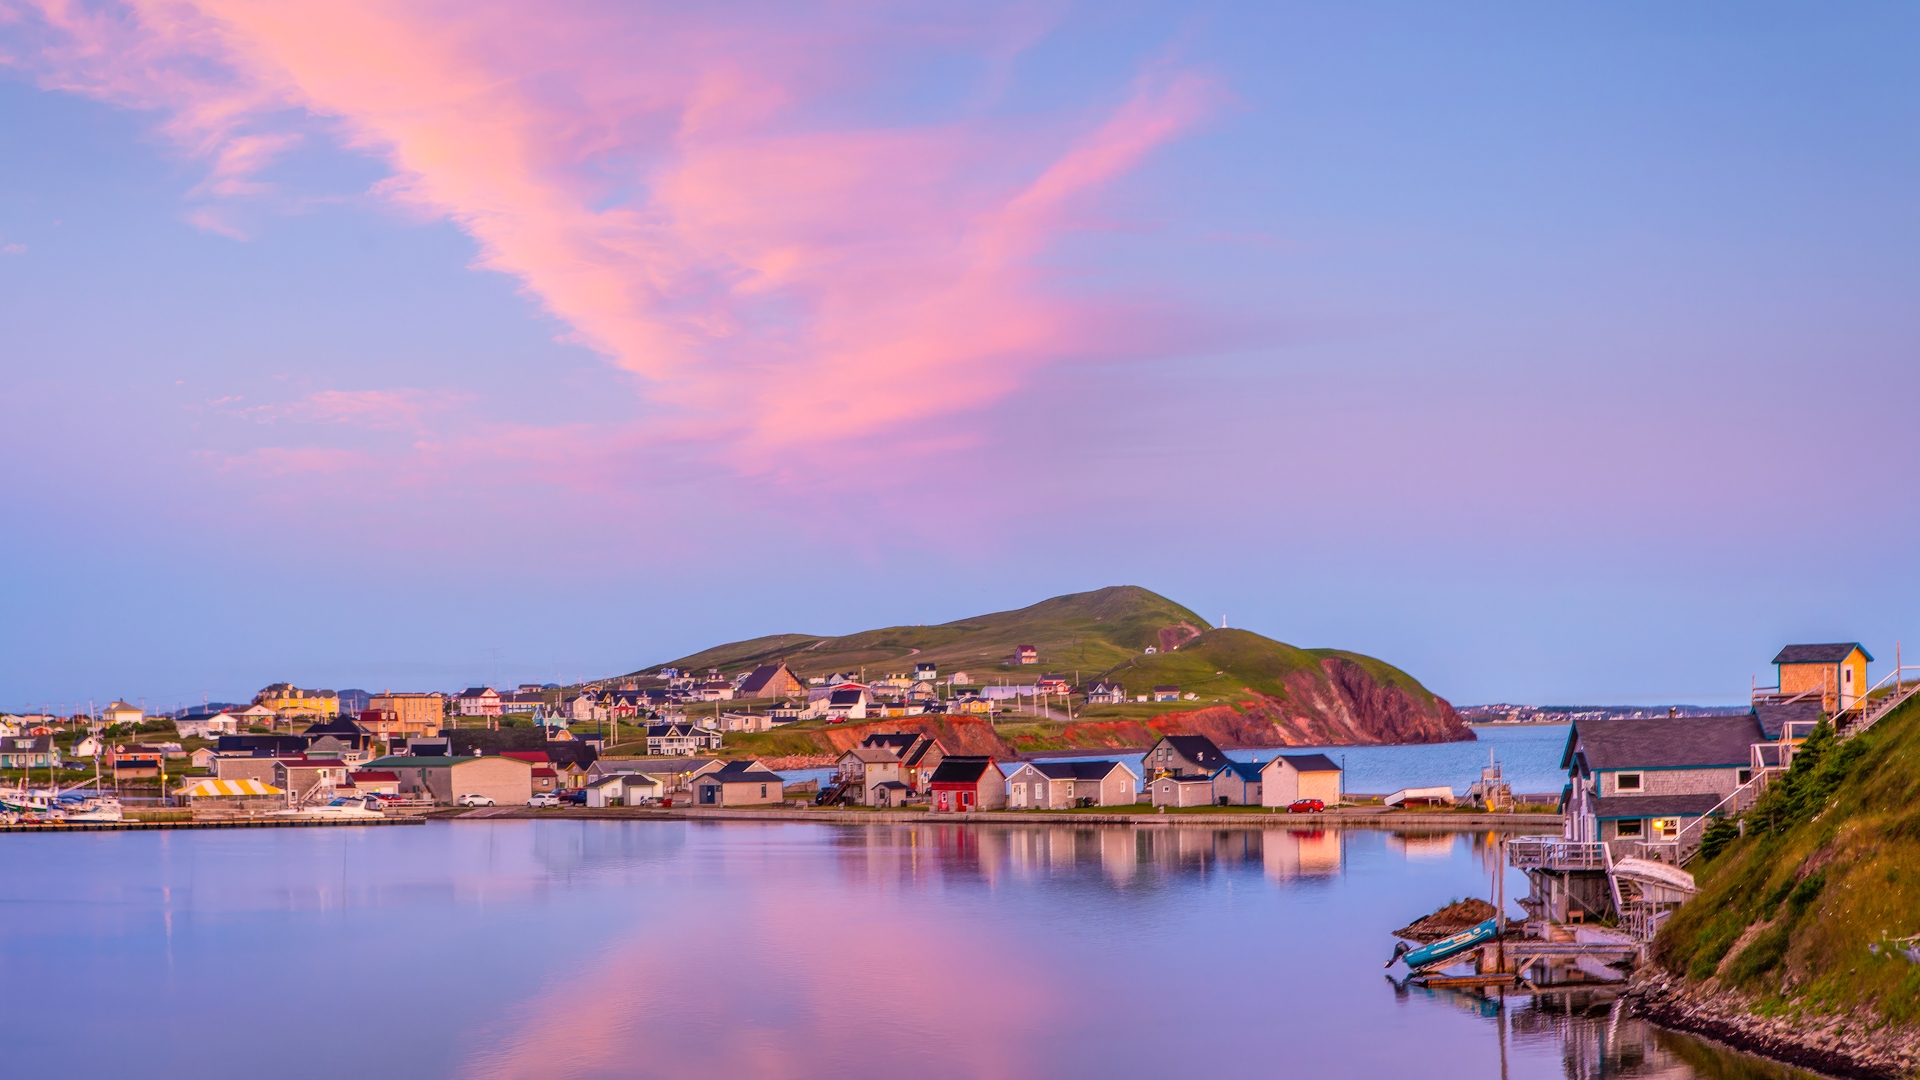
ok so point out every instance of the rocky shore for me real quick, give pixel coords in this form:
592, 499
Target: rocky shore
1853, 1047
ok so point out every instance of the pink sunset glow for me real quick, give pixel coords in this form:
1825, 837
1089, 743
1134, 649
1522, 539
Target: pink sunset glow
668, 186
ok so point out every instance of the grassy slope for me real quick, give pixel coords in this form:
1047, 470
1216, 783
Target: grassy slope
1221, 665
1789, 916
1088, 632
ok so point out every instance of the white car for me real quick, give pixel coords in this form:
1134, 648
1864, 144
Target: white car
545, 798
473, 799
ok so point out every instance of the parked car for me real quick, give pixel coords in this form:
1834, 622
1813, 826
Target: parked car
473, 799
573, 797
545, 798
1307, 806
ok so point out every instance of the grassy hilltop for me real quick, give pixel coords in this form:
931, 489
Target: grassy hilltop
1088, 632
1248, 690
1829, 867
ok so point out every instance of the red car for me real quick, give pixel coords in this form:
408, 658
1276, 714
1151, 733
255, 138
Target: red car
1307, 806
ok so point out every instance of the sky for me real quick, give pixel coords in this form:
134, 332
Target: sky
1552, 354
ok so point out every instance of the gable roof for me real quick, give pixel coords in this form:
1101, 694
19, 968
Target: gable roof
961, 770
1247, 771
1310, 762
1196, 748
760, 677
1829, 653
1663, 742
896, 741
739, 776
1076, 770
846, 697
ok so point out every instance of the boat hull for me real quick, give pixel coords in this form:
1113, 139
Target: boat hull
1450, 948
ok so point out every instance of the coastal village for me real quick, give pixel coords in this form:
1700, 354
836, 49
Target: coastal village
1609, 860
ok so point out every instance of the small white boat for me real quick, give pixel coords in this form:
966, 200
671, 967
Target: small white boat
357, 806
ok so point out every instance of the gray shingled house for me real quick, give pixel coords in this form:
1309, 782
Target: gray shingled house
1183, 755
1650, 780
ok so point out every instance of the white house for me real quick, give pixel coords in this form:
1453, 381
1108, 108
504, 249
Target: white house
207, 727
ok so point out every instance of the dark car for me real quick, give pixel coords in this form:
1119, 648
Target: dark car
574, 797
1307, 806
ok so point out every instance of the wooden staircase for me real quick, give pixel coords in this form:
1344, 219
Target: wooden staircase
1872, 710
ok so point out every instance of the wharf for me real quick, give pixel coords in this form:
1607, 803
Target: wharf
1398, 821
231, 823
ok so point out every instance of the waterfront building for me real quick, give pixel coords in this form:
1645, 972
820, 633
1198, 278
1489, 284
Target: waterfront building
1288, 778
1166, 693
1183, 755
963, 784
507, 781
27, 752
1238, 783
1191, 789
1633, 783
1057, 785
739, 783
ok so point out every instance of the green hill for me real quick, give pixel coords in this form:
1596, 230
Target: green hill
1246, 690
1225, 663
1085, 632
1795, 917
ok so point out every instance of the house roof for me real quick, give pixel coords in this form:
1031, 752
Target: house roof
891, 785
896, 740
961, 770
1663, 742
1248, 771
1774, 718
478, 691
373, 776
428, 762
527, 755
1645, 806
1076, 770
1310, 762
1829, 653
743, 776
1166, 689
872, 755
845, 697
1194, 778
760, 677
1196, 748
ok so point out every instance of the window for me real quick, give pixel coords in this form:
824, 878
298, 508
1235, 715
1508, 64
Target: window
1666, 828
1746, 777
763, 791
1628, 828
1627, 781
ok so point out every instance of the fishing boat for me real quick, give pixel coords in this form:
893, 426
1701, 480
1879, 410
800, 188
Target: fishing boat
1446, 949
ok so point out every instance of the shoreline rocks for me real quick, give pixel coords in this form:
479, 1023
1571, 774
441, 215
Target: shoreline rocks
1847, 1046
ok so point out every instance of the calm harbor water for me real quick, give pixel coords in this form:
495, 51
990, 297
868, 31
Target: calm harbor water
1529, 754
573, 949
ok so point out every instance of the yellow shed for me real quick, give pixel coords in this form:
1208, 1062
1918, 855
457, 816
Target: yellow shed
1837, 670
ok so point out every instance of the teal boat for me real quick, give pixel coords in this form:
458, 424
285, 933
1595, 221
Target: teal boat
1445, 949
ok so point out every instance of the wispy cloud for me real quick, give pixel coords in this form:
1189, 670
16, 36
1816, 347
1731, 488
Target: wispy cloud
673, 183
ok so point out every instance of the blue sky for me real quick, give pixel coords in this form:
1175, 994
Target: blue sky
1551, 355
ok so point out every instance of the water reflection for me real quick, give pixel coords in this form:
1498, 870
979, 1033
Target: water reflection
588, 949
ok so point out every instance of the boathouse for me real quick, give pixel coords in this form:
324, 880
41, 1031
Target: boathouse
1054, 785
1190, 790
739, 783
1238, 783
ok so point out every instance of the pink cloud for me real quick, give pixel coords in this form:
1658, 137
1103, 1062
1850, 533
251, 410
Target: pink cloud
667, 182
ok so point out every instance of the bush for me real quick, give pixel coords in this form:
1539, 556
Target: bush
1762, 954
1719, 833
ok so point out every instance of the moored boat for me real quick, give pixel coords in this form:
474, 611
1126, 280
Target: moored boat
1446, 949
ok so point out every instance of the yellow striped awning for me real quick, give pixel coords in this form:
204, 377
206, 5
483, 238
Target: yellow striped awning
228, 788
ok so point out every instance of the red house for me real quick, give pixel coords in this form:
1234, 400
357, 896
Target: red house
961, 785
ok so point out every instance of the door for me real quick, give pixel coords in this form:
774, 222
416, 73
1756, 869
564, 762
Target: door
943, 800
707, 793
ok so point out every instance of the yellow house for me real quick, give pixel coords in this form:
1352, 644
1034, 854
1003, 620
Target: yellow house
288, 700
1837, 671
122, 713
